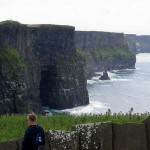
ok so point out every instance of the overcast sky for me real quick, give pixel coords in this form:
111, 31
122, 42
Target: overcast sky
128, 16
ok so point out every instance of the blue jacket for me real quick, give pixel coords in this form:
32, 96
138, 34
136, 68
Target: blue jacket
30, 137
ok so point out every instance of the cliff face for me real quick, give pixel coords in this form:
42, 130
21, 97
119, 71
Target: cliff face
138, 44
51, 72
103, 51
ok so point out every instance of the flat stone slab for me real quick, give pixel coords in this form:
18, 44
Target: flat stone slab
9, 145
147, 124
19, 143
95, 136
47, 145
63, 140
129, 136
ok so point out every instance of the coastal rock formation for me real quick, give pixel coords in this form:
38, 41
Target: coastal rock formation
104, 76
40, 65
138, 44
103, 51
40, 61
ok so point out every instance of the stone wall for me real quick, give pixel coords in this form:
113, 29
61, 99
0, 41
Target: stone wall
95, 136
129, 136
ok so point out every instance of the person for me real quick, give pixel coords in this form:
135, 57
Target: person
34, 138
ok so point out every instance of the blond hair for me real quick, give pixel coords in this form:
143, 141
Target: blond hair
32, 117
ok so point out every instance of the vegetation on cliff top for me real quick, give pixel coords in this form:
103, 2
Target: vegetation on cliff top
53, 26
105, 53
82, 53
9, 27
114, 53
11, 63
10, 57
9, 22
13, 126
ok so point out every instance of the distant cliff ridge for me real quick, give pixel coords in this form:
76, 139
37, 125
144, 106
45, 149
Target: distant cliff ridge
103, 51
39, 67
138, 44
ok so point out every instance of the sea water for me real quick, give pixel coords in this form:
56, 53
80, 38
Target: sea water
126, 89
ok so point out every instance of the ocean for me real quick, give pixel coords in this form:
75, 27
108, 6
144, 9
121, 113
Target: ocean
126, 89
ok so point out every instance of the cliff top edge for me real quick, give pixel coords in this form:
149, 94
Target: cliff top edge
12, 22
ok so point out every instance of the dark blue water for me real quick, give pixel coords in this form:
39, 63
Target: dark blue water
127, 89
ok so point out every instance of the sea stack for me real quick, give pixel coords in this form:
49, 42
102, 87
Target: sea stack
104, 76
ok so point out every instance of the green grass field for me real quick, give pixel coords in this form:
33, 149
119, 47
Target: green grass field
13, 126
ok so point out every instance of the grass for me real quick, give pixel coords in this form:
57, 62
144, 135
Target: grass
11, 63
10, 57
9, 22
114, 52
13, 126
138, 44
102, 54
83, 53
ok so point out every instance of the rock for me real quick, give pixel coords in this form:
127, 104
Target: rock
51, 71
103, 50
147, 125
63, 140
47, 144
104, 76
129, 136
19, 143
9, 145
94, 136
138, 44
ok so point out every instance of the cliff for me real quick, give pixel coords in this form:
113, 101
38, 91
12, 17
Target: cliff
40, 61
138, 44
103, 51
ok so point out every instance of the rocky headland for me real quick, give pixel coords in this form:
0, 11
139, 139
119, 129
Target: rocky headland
103, 51
138, 44
39, 67
48, 65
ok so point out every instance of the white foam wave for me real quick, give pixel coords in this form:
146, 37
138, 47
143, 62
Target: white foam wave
90, 82
94, 107
111, 74
143, 57
96, 78
117, 80
98, 73
129, 69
